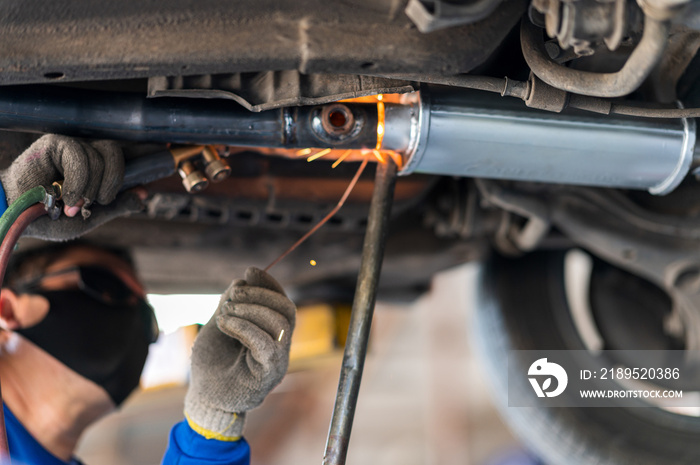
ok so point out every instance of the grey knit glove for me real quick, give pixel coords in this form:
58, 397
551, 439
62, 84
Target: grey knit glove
91, 172
239, 356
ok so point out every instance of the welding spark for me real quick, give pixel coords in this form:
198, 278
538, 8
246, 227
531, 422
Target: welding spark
342, 157
318, 155
340, 203
378, 152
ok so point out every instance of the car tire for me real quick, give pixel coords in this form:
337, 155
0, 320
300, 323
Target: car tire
521, 304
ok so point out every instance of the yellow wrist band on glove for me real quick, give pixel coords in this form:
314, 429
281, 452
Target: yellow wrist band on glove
211, 434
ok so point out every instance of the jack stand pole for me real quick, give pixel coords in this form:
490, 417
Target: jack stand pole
361, 318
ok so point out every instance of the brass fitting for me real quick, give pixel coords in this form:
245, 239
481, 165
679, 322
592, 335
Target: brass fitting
193, 179
58, 189
182, 154
215, 168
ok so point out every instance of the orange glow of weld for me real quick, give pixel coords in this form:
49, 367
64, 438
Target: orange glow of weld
396, 157
377, 153
380, 122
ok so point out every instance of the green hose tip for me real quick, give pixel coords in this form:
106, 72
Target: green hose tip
35, 195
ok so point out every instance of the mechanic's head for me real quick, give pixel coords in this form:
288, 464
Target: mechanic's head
84, 305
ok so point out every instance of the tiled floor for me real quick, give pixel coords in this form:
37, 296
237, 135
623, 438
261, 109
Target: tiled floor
422, 401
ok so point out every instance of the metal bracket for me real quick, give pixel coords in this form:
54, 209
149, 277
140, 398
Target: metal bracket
663, 249
433, 15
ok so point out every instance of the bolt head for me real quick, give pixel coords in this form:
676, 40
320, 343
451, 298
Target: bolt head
195, 182
217, 170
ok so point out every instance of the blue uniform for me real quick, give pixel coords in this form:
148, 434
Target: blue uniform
184, 448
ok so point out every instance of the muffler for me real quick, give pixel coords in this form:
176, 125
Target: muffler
474, 134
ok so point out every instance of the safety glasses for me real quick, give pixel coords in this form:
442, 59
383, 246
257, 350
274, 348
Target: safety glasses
96, 281
102, 285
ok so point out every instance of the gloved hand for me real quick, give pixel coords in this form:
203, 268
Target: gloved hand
91, 171
239, 356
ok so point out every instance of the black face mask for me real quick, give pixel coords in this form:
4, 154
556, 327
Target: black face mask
106, 344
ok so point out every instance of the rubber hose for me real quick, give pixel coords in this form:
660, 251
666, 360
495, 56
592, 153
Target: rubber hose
23, 202
14, 232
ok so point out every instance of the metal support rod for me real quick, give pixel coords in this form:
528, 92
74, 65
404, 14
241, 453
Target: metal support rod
361, 318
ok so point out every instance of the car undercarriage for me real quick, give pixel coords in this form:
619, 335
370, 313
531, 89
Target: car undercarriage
519, 129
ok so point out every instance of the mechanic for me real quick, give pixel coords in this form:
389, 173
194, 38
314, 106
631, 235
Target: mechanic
76, 326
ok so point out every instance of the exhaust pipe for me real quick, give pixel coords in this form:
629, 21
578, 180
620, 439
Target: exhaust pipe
474, 134
453, 132
129, 116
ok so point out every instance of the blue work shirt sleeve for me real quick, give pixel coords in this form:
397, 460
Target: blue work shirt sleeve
3, 200
186, 447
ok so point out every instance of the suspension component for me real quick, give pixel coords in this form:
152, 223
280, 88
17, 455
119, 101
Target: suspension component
637, 68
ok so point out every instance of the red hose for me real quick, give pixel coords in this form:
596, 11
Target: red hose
14, 233
6, 249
